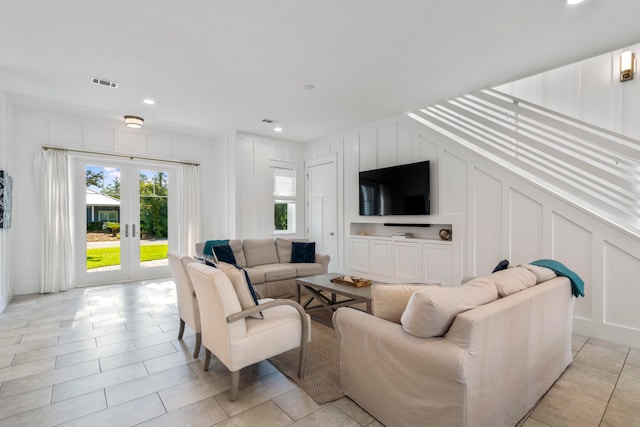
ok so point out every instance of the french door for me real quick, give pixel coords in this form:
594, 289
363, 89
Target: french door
123, 220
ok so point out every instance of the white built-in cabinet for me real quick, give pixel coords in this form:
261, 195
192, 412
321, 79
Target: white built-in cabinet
407, 257
401, 259
421, 257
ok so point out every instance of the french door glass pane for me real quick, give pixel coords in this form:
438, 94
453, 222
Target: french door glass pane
154, 198
102, 206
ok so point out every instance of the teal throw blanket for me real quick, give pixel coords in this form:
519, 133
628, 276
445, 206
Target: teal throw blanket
209, 244
577, 284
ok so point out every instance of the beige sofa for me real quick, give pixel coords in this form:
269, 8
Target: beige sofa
488, 368
268, 262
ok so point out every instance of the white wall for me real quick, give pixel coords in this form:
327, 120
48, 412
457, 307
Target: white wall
6, 279
504, 216
254, 184
30, 129
589, 90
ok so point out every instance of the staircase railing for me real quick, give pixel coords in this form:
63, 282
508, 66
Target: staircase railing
590, 167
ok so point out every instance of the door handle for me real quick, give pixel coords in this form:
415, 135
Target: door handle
133, 230
126, 230
331, 234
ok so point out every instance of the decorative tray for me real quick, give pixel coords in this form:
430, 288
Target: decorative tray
352, 281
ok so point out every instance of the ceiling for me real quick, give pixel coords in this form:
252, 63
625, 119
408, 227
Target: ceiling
215, 66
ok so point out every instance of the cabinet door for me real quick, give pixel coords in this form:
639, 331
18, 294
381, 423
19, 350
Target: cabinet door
437, 263
381, 257
408, 261
360, 254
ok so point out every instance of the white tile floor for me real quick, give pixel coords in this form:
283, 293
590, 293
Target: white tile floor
109, 355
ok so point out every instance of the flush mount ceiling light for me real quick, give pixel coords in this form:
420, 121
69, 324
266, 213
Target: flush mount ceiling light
277, 129
134, 121
627, 66
574, 1
149, 101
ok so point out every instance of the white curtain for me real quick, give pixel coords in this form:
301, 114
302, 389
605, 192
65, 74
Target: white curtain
52, 169
188, 208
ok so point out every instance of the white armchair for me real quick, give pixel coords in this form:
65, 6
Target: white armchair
237, 339
187, 303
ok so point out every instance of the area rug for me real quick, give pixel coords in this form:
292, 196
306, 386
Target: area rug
321, 380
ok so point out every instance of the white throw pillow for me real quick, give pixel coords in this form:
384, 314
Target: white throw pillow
513, 280
431, 311
388, 301
542, 273
242, 284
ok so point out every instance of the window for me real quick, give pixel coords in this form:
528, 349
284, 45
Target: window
284, 200
108, 216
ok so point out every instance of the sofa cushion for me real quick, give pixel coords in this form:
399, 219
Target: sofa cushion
283, 247
256, 275
388, 301
224, 253
242, 284
260, 252
238, 254
513, 280
542, 273
430, 311
303, 251
307, 269
274, 272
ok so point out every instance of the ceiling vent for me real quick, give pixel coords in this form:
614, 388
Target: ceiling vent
105, 82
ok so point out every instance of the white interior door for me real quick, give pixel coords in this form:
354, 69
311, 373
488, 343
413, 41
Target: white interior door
322, 209
123, 214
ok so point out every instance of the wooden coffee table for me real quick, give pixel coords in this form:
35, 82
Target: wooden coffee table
325, 292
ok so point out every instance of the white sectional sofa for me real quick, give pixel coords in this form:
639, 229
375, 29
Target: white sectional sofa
268, 262
487, 365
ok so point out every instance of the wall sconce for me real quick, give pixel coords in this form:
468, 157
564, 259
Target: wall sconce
627, 66
134, 121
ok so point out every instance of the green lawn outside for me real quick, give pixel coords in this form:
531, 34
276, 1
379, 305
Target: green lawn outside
104, 257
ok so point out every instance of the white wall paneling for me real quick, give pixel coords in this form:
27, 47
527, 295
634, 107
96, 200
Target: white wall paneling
499, 215
525, 228
572, 244
589, 90
386, 145
621, 287
368, 155
30, 129
129, 141
254, 184
6, 254
453, 198
488, 206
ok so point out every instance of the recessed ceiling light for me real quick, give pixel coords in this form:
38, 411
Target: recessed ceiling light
277, 129
149, 101
574, 1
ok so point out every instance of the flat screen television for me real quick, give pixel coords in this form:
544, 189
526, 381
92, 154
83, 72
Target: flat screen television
396, 190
